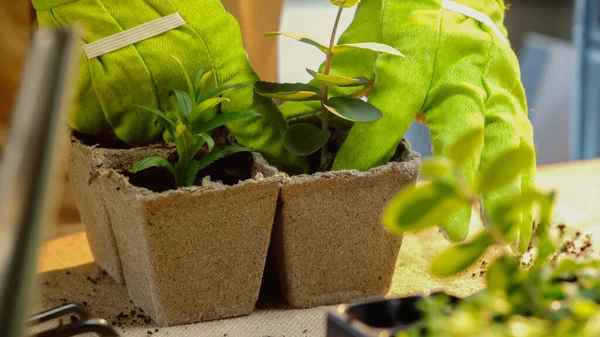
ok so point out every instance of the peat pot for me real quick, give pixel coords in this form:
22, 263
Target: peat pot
329, 245
197, 253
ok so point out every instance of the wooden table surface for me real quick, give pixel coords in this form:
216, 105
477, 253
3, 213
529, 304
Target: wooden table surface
67, 272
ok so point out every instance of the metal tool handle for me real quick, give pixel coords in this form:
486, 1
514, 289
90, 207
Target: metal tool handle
30, 168
83, 325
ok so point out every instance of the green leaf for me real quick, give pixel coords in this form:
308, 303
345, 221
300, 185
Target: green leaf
546, 245
204, 79
584, 308
464, 148
338, 81
191, 173
222, 90
504, 169
288, 91
197, 87
159, 113
501, 271
552, 292
340, 124
201, 83
188, 81
437, 167
422, 207
199, 76
353, 109
302, 38
460, 256
205, 105
203, 138
168, 127
197, 165
505, 215
344, 3
185, 103
168, 137
304, 139
149, 162
225, 118
566, 266
546, 208
162, 118
186, 146
373, 46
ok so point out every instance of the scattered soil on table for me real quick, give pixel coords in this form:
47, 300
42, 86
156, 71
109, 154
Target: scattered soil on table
229, 171
482, 269
573, 243
134, 316
93, 288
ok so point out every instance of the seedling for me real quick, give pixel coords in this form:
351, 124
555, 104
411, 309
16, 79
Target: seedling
305, 138
189, 130
532, 290
435, 202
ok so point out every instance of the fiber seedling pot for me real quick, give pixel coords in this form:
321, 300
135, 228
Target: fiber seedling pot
329, 245
85, 163
197, 253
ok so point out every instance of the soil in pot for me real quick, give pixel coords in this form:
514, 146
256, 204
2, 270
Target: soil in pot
228, 171
108, 141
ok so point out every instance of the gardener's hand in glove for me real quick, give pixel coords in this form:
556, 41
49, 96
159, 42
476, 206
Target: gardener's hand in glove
459, 75
144, 73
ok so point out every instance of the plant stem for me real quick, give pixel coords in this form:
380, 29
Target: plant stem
325, 89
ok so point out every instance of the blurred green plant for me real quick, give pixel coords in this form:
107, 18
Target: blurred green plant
547, 296
303, 137
190, 131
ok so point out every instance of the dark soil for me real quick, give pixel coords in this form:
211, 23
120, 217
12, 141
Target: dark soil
106, 141
229, 171
157, 179
334, 145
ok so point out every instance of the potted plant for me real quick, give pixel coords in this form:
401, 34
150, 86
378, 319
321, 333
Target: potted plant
89, 154
328, 245
192, 223
553, 289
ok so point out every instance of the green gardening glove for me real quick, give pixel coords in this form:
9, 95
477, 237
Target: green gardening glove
144, 72
458, 75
